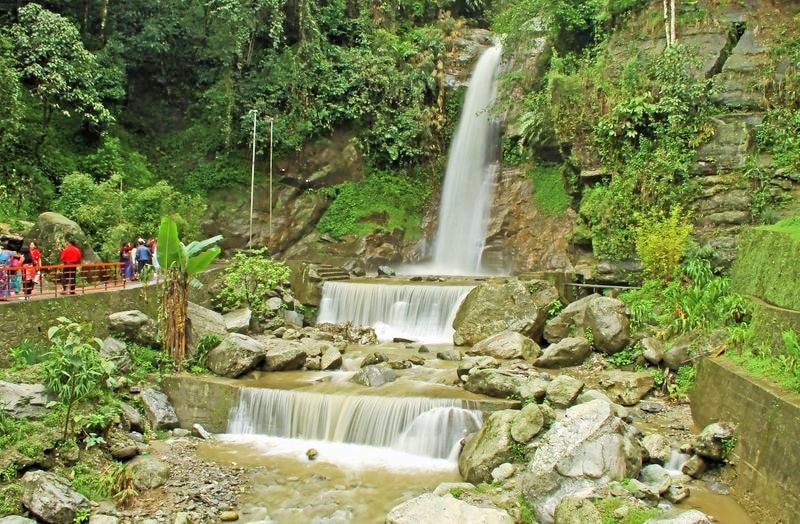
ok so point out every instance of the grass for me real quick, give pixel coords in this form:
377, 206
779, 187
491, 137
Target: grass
549, 194
765, 365
635, 515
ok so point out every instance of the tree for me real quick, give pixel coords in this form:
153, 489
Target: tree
58, 69
73, 368
180, 264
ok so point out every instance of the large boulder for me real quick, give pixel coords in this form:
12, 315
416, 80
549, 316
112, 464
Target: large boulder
691, 516
374, 376
467, 365
135, 326
23, 400
570, 351
588, 447
652, 350
569, 322
202, 320
492, 308
492, 382
432, 509
238, 321
563, 390
235, 355
507, 345
606, 318
147, 472
677, 355
488, 448
627, 387
657, 447
51, 233
284, 355
714, 441
158, 410
51, 498
530, 421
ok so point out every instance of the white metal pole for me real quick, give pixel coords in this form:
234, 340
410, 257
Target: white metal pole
252, 178
270, 181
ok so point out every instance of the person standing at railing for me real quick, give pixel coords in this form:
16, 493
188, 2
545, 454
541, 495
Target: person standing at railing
28, 271
5, 261
36, 255
125, 259
143, 256
70, 256
15, 274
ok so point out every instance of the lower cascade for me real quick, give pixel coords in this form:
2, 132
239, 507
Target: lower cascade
420, 426
415, 312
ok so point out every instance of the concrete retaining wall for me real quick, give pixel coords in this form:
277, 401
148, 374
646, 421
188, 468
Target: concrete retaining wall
202, 400
766, 480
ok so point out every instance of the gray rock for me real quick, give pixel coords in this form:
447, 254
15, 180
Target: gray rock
677, 493
528, 423
711, 442
132, 417
535, 388
570, 351
386, 271
627, 387
677, 356
103, 519
51, 233
488, 448
374, 376
181, 433
283, 355
373, 359
507, 345
691, 516
445, 488
586, 448
469, 364
158, 410
653, 350
238, 321
657, 447
199, 431
502, 472
274, 304
449, 354
643, 492
147, 472
293, 318
606, 318
331, 359
182, 518
573, 510
656, 477
16, 519
51, 498
202, 320
236, 355
23, 400
694, 467
116, 351
563, 390
135, 326
491, 308
492, 382
120, 444
569, 322
430, 509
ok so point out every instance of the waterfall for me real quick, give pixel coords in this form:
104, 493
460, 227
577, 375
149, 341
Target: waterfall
415, 312
469, 179
421, 426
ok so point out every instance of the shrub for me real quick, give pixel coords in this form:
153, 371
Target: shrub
661, 242
548, 190
249, 280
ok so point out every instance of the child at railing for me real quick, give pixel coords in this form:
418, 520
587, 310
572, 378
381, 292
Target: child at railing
5, 261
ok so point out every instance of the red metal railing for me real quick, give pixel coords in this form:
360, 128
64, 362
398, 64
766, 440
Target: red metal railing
24, 282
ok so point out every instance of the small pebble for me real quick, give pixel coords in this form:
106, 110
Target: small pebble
228, 516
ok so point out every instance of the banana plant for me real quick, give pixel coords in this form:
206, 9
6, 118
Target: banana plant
180, 264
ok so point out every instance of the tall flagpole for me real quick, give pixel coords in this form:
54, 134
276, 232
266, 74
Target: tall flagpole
271, 120
253, 181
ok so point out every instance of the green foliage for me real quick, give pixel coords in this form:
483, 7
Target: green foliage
380, 202
626, 357
249, 280
11, 499
26, 353
518, 453
635, 515
206, 342
548, 189
73, 368
684, 381
526, 512
661, 242
96, 485
728, 447
659, 377
148, 361
554, 308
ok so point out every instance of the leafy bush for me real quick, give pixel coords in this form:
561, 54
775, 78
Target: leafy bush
73, 368
249, 280
149, 361
661, 242
380, 202
548, 189
206, 342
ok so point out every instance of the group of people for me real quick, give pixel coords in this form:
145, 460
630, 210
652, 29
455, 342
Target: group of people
20, 271
135, 260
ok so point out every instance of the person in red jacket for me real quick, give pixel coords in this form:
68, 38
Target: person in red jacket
70, 256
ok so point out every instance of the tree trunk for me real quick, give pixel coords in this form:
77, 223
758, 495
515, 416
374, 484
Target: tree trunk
673, 16
103, 18
174, 307
666, 21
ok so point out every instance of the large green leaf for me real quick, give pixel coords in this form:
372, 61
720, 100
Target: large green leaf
195, 247
170, 251
198, 263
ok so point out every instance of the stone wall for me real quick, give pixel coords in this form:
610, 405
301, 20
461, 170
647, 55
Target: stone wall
767, 456
202, 400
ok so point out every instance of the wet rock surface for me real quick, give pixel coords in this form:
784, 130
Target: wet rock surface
135, 326
235, 355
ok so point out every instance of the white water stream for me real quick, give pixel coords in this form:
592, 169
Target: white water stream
426, 427
469, 179
415, 312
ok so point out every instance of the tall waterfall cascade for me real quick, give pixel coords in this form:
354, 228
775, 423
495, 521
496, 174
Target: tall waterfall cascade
420, 426
469, 179
415, 312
